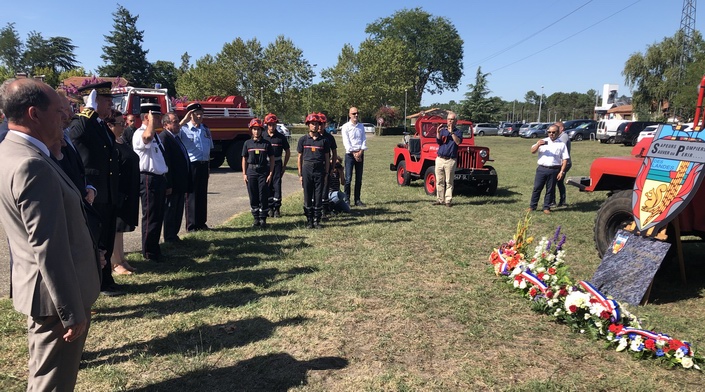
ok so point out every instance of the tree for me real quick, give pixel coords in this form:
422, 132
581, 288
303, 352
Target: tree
165, 73
434, 44
185, 62
342, 78
123, 55
287, 73
654, 75
201, 80
477, 106
11, 48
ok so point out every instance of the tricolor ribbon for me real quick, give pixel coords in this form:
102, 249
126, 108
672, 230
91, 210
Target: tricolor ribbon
504, 267
611, 305
535, 280
644, 333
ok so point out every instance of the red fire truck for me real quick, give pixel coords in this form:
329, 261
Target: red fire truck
227, 118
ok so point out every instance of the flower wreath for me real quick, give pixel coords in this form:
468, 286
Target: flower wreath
543, 278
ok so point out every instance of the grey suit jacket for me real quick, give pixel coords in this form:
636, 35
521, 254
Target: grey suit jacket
55, 266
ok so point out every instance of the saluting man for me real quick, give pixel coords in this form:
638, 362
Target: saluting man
153, 169
199, 143
257, 171
280, 146
313, 165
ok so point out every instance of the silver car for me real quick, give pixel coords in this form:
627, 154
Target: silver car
483, 129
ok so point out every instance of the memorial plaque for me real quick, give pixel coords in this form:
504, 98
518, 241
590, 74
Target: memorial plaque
629, 266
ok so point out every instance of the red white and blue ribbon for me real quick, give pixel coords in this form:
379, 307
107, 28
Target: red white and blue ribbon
535, 280
611, 305
644, 333
504, 267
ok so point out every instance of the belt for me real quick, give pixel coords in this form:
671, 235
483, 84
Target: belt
151, 174
200, 162
256, 166
277, 158
446, 157
551, 167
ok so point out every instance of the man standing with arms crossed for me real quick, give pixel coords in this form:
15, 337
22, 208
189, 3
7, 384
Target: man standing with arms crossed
198, 142
56, 269
355, 143
448, 138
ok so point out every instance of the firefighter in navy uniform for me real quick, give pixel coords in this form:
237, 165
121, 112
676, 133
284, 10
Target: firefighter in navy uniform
280, 146
257, 169
313, 164
333, 156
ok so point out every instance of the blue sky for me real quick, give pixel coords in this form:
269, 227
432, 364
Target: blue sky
563, 45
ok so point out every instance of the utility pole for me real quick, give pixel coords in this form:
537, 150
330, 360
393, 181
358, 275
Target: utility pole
540, 104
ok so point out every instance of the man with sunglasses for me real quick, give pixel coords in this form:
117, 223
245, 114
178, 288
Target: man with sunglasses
355, 143
553, 158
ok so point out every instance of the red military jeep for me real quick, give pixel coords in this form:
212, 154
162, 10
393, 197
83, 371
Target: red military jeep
415, 158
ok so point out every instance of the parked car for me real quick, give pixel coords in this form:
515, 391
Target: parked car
510, 129
584, 131
525, 128
607, 130
649, 131
627, 133
537, 131
483, 129
369, 128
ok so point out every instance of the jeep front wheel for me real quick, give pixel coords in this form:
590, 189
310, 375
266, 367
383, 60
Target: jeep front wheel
614, 214
429, 181
403, 176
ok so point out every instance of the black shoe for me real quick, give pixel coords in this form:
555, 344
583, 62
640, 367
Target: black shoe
263, 223
359, 203
317, 225
276, 213
255, 223
172, 240
309, 225
113, 290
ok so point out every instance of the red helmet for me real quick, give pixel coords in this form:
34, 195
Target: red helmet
271, 118
313, 117
323, 118
256, 122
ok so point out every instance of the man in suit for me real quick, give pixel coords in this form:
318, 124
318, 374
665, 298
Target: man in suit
56, 274
178, 178
96, 146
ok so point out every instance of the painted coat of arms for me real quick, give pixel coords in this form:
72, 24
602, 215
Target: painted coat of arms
669, 176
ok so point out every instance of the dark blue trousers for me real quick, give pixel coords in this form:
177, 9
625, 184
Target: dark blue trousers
545, 177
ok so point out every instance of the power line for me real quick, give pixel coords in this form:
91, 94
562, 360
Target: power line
502, 51
565, 39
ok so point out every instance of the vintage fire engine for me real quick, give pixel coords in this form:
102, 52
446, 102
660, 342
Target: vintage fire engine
415, 158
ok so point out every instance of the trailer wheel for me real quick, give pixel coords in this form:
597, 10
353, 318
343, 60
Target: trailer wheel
403, 176
614, 214
217, 160
234, 155
429, 181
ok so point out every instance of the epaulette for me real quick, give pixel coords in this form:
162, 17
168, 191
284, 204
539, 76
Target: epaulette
87, 112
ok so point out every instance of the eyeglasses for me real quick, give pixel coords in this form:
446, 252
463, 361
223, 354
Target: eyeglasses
353, 114
551, 133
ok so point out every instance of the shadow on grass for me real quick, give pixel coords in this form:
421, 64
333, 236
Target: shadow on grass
272, 372
202, 339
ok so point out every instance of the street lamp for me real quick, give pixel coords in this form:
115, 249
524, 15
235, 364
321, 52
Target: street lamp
540, 104
310, 87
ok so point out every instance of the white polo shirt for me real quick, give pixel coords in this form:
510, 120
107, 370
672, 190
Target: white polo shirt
552, 153
151, 155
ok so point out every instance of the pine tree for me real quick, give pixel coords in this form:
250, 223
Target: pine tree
123, 55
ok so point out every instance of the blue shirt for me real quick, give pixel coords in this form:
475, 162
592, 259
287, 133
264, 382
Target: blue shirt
447, 147
198, 142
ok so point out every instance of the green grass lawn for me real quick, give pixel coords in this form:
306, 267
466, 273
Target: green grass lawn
400, 297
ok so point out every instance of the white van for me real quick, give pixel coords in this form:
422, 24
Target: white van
607, 130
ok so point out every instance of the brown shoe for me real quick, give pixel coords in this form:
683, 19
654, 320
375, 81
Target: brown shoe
546, 211
437, 203
449, 204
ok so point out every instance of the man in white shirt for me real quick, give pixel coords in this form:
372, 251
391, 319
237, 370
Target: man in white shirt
355, 143
198, 142
153, 190
553, 158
